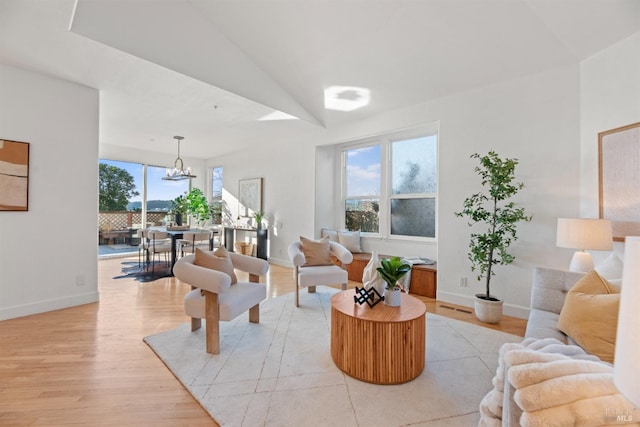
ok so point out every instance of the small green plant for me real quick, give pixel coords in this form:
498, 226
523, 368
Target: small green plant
491, 209
258, 216
179, 205
194, 203
391, 270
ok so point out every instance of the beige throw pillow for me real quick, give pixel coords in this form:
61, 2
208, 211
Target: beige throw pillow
350, 240
316, 252
218, 260
590, 315
331, 234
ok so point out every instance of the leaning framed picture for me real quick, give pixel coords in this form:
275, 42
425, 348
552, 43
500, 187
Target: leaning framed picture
14, 175
249, 196
619, 179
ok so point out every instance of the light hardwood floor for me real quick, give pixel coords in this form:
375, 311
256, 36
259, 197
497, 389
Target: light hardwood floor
88, 365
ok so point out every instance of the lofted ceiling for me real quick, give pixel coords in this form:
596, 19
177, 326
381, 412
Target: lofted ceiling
221, 72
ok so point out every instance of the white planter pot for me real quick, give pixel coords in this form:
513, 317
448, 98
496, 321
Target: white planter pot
392, 298
488, 311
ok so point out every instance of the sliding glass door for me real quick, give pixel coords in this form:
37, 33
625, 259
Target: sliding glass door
132, 196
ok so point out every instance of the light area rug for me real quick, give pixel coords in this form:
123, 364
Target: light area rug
280, 372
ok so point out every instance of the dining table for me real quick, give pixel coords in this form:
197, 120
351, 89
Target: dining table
179, 234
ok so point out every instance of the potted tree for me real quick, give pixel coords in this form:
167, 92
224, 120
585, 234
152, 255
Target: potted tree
198, 206
492, 209
392, 270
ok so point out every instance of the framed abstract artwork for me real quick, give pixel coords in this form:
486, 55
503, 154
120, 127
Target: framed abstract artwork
619, 179
14, 175
249, 196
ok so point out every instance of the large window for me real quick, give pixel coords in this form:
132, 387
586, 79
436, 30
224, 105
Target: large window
413, 186
216, 194
362, 201
120, 185
390, 185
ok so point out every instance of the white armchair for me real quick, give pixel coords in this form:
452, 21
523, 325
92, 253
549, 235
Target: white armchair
215, 299
312, 276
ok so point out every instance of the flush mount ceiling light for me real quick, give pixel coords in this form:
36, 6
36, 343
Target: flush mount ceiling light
178, 173
346, 98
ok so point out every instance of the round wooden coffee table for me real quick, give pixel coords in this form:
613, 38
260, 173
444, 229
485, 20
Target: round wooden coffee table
380, 344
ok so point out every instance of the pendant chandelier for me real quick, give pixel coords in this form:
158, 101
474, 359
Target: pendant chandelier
178, 173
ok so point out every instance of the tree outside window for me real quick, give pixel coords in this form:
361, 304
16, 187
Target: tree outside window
116, 186
414, 184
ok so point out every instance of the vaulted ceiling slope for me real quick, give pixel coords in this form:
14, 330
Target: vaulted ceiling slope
163, 65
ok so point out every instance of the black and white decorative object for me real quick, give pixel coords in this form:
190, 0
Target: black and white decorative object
370, 296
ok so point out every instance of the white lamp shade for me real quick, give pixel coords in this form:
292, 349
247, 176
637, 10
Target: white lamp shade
627, 357
584, 233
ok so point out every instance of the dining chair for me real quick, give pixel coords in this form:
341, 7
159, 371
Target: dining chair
159, 243
143, 246
195, 239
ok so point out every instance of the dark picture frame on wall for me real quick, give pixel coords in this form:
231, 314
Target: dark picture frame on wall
14, 175
619, 179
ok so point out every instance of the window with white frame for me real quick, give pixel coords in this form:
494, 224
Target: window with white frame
216, 194
390, 185
362, 192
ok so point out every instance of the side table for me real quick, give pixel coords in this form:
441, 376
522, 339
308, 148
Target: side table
381, 344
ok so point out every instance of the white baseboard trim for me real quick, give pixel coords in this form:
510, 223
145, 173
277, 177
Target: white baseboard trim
48, 305
512, 310
280, 262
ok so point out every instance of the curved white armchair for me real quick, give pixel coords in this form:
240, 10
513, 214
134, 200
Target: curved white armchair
214, 298
312, 276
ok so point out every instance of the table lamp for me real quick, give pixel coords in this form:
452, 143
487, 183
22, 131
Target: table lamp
626, 374
583, 234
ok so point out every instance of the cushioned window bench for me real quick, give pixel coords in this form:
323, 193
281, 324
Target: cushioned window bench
423, 276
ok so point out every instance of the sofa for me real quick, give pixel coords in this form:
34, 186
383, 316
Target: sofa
548, 292
548, 379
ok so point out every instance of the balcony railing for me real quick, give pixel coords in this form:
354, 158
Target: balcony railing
124, 220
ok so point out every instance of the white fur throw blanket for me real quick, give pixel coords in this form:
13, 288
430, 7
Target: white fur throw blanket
556, 385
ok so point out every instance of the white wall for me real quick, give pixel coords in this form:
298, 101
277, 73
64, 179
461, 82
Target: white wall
48, 255
609, 98
549, 121
533, 118
327, 185
288, 190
